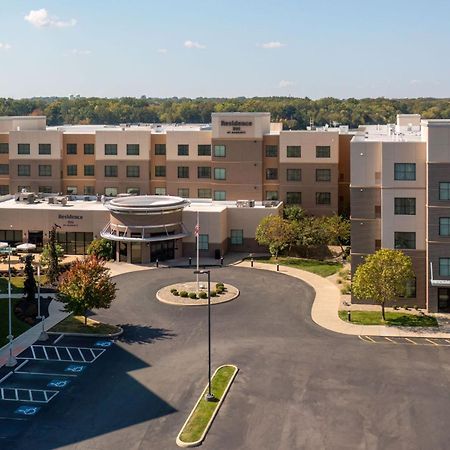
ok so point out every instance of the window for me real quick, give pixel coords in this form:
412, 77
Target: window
220, 174
183, 150
160, 171
444, 267
89, 149
133, 149
204, 150
183, 172
220, 195
323, 198
237, 237
294, 174
405, 171
323, 174
203, 172
74, 243
160, 149
23, 170
45, 170
405, 239
110, 191
23, 149
271, 151
444, 191
111, 171
204, 193
220, 151
89, 171
322, 151
89, 190
110, 149
183, 192
293, 198
45, 189
410, 289
133, 171
203, 241
21, 188
71, 149
12, 237
294, 151
271, 174
45, 149
405, 206
133, 191
72, 190
4, 169
444, 226
72, 170
271, 195
4, 189
160, 191
4, 148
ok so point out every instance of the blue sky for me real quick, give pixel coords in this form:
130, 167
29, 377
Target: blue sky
225, 48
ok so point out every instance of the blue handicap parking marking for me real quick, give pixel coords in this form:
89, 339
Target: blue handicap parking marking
75, 368
27, 410
58, 383
103, 344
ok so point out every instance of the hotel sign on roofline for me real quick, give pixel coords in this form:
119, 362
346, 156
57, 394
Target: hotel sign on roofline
236, 126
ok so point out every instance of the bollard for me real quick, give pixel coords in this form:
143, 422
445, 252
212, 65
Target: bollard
251, 262
157, 262
349, 316
278, 267
221, 261
190, 261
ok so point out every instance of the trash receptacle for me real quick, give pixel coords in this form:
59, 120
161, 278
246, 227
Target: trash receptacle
217, 253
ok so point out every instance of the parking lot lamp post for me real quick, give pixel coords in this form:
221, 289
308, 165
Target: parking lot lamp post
43, 336
12, 361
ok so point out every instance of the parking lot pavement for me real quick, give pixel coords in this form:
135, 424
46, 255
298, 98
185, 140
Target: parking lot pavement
435, 342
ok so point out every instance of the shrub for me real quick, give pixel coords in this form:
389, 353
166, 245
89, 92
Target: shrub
346, 289
395, 307
339, 281
218, 285
203, 295
416, 307
173, 290
219, 290
192, 295
213, 294
406, 307
183, 294
176, 293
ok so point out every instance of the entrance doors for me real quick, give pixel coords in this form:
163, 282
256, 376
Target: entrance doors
36, 238
162, 251
444, 299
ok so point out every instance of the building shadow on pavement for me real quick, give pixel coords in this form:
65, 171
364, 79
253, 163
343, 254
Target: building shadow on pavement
143, 334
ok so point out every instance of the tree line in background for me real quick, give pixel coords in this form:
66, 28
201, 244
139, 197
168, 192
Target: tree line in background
295, 113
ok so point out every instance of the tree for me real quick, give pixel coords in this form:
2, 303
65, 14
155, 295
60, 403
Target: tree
275, 233
294, 212
45, 255
52, 256
337, 230
29, 285
101, 248
382, 277
86, 285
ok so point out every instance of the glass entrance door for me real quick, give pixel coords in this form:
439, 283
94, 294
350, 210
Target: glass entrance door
444, 299
162, 251
36, 238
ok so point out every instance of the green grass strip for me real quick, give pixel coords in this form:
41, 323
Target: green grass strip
322, 268
398, 319
75, 324
194, 429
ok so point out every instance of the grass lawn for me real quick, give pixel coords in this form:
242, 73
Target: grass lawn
392, 318
322, 268
75, 324
196, 426
18, 327
16, 284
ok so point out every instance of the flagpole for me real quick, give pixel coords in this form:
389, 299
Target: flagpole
198, 233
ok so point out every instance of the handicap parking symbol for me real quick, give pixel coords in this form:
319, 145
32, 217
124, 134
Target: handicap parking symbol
58, 383
26, 410
103, 344
74, 368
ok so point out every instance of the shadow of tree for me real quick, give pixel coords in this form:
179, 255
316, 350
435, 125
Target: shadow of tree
143, 334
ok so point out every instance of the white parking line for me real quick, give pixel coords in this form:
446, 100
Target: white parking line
45, 352
14, 395
410, 340
48, 374
6, 376
58, 339
75, 354
20, 365
57, 353
429, 340
390, 340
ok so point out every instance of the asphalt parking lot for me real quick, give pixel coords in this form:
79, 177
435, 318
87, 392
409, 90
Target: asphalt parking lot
299, 386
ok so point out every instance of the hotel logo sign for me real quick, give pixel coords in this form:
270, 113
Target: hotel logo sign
236, 126
71, 219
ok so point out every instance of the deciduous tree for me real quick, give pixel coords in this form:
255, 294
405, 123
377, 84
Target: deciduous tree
275, 233
101, 248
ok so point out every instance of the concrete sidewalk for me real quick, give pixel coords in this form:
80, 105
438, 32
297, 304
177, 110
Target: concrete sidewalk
324, 311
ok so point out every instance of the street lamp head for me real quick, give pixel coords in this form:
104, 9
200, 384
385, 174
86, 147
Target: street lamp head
200, 272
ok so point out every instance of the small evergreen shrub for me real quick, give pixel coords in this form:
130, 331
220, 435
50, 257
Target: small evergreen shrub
213, 294
183, 294
346, 289
176, 293
203, 295
406, 307
192, 295
173, 290
220, 285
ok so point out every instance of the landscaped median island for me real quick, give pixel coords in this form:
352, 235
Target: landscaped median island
75, 324
393, 318
322, 268
201, 417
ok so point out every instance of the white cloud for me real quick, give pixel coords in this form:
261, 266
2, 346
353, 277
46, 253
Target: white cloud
285, 83
4, 46
272, 44
41, 19
162, 50
76, 51
193, 44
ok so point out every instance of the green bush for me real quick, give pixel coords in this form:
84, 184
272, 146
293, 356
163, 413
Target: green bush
183, 294
416, 307
219, 290
346, 289
176, 293
192, 295
203, 295
173, 290
213, 294
220, 285
339, 281
406, 307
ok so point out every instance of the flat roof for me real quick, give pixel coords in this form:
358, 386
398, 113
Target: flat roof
388, 133
149, 127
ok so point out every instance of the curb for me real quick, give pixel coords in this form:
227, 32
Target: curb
111, 335
183, 444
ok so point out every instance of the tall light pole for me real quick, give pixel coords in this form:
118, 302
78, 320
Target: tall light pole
12, 361
43, 336
209, 396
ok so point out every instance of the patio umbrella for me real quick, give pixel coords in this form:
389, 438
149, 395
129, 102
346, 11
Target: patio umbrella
4, 244
27, 246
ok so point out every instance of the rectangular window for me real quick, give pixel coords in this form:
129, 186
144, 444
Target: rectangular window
271, 195
323, 174
133, 149
45, 189
204, 193
72, 190
405, 171
271, 174
4, 169
160, 191
89, 190
133, 171
183, 150
271, 151
323, 151
444, 191
23, 170
89, 149
72, 170
110, 149
204, 150
220, 174
294, 151
323, 198
404, 240
444, 226
183, 192
45, 149
293, 198
220, 151
4, 148
20, 188
183, 172
111, 171
237, 237
294, 174
133, 191
89, 170
405, 206
220, 195
411, 289
160, 149
45, 170
444, 267
203, 172
71, 149
203, 242
160, 171
110, 191
23, 149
